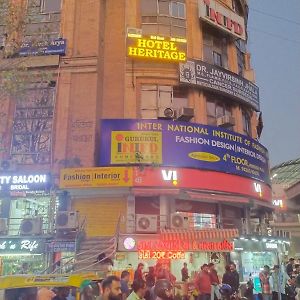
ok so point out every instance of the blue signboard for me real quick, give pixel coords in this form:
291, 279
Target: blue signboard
50, 47
182, 144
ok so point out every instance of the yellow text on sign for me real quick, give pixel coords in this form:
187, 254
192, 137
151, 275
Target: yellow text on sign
95, 177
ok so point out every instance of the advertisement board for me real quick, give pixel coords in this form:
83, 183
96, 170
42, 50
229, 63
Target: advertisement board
21, 245
181, 144
157, 48
52, 47
214, 78
95, 177
17, 182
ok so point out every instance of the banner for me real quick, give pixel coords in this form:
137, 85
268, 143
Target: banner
181, 144
217, 79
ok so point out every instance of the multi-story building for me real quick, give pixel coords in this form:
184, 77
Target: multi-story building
148, 124
285, 191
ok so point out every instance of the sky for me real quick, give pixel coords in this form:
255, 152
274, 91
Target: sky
274, 44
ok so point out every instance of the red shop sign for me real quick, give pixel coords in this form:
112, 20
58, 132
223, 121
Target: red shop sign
147, 254
193, 245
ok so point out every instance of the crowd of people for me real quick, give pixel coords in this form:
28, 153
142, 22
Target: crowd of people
276, 283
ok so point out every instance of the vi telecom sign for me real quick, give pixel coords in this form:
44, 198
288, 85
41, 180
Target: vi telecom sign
179, 144
211, 77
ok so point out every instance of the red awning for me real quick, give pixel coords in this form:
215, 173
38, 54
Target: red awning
201, 234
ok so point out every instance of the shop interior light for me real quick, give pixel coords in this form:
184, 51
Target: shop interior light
264, 240
242, 238
254, 239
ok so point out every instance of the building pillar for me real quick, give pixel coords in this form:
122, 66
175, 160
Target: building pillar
130, 219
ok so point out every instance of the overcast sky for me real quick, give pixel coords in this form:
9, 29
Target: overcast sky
274, 43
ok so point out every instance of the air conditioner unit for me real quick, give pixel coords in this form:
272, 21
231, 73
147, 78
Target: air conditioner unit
226, 121
179, 221
185, 114
3, 226
8, 165
166, 113
67, 220
31, 226
134, 31
146, 223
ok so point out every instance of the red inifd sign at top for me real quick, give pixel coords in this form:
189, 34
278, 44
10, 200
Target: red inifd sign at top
222, 17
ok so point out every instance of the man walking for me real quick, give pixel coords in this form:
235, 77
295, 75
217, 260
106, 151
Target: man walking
264, 277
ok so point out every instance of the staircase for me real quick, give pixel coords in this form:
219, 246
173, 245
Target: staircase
90, 248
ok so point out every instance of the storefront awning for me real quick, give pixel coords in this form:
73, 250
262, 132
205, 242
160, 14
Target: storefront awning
201, 234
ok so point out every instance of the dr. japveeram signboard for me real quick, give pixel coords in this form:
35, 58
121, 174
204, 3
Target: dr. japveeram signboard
217, 79
156, 48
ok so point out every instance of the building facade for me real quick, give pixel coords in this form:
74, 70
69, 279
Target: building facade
148, 121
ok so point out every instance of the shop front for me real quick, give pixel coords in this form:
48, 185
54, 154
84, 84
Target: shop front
25, 196
251, 254
173, 249
22, 255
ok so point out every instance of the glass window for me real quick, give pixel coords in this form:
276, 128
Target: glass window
216, 109
246, 122
177, 10
49, 6
240, 50
217, 59
163, 7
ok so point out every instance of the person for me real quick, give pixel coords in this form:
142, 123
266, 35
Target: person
87, 293
24, 268
150, 277
62, 293
185, 273
72, 294
278, 281
231, 277
45, 294
163, 290
214, 282
124, 284
138, 274
163, 272
290, 267
264, 277
203, 283
138, 290
111, 288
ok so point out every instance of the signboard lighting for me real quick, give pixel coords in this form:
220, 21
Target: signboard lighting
278, 202
129, 243
156, 48
271, 246
258, 188
170, 176
147, 254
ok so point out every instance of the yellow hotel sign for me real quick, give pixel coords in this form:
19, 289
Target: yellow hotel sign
95, 177
156, 48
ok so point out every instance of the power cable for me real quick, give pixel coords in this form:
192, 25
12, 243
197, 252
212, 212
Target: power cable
274, 35
274, 16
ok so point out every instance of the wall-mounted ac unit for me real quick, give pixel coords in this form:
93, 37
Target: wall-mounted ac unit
166, 113
226, 121
179, 221
31, 226
3, 226
185, 114
67, 220
8, 165
146, 223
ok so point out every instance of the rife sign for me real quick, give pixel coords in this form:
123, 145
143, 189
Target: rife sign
22, 246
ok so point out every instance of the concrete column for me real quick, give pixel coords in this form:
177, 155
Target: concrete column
164, 211
130, 219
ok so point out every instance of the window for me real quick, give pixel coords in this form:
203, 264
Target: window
163, 17
155, 98
246, 123
236, 6
216, 109
50, 6
32, 129
177, 10
240, 50
215, 49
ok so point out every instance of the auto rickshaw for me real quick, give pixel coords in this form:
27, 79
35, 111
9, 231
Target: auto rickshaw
26, 287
